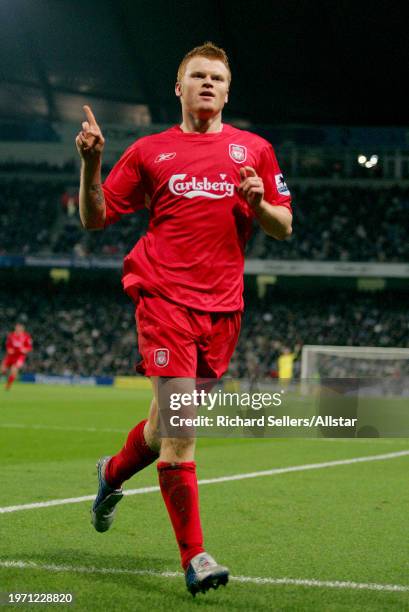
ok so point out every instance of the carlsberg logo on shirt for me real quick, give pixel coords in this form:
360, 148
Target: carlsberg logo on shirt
204, 187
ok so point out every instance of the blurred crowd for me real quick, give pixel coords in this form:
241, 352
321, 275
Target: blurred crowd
89, 329
339, 318
330, 224
343, 224
28, 215
75, 329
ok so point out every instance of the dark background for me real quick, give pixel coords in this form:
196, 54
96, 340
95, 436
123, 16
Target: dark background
316, 62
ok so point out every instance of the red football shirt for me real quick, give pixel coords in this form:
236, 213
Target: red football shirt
18, 344
193, 251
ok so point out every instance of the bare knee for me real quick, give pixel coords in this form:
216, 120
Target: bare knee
174, 450
151, 430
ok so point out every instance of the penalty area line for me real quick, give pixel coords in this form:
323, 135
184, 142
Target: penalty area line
331, 584
208, 481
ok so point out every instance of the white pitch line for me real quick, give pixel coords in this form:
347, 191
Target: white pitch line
380, 441
61, 428
332, 584
387, 441
273, 472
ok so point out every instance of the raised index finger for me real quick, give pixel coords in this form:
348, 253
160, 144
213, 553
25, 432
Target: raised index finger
90, 115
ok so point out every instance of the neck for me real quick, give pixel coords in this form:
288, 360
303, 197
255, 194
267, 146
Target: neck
190, 123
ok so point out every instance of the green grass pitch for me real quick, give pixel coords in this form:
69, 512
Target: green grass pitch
346, 523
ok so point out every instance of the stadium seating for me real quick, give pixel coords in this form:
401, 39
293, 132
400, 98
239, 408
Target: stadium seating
88, 328
330, 224
28, 212
337, 318
343, 223
79, 329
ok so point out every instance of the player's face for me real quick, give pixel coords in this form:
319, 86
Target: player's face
204, 87
19, 328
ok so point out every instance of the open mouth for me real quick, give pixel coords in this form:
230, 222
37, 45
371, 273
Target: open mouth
207, 95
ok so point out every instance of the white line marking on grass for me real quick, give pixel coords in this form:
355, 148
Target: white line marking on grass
61, 428
332, 584
84, 570
396, 441
307, 466
112, 430
273, 472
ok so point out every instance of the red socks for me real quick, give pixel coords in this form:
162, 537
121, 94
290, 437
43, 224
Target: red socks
178, 484
10, 381
132, 458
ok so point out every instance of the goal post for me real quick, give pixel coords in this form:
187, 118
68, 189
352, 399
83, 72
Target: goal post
318, 361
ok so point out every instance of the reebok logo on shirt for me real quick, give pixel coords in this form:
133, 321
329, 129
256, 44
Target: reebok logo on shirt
204, 187
164, 157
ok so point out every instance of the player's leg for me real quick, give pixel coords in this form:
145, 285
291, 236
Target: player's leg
153, 315
3, 369
141, 448
178, 483
214, 355
12, 376
177, 470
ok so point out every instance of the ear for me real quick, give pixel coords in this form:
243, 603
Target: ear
226, 99
178, 89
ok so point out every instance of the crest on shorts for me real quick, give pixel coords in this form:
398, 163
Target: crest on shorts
238, 153
161, 357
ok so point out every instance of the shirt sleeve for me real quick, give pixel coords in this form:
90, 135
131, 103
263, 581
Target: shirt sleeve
275, 189
123, 188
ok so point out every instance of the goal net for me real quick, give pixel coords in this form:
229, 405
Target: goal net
371, 383
319, 362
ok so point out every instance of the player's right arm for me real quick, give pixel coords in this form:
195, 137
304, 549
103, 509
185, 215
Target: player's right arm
9, 345
90, 145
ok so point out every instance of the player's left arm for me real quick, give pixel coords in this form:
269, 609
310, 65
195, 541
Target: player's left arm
28, 345
275, 220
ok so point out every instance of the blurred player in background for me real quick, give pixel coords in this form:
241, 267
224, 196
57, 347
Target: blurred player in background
18, 345
285, 364
204, 183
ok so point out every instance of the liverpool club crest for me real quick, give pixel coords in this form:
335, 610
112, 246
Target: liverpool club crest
161, 357
238, 153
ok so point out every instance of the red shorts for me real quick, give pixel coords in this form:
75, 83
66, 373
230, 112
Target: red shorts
176, 340
13, 360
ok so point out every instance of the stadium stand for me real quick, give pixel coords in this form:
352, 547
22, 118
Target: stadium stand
343, 223
87, 327
76, 329
28, 213
334, 318
333, 223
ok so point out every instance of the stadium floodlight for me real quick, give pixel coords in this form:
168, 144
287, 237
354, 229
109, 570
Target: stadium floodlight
368, 163
318, 361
